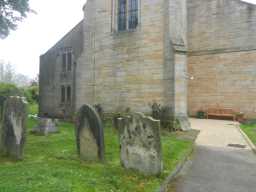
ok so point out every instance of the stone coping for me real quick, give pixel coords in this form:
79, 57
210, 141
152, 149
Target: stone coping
178, 168
248, 140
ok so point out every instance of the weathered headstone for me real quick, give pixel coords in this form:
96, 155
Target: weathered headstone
12, 128
89, 134
46, 126
140, 144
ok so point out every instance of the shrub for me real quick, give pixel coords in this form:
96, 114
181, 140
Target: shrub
164, 114
7, 90
32, 94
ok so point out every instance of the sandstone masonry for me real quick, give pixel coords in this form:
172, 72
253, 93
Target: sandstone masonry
212, 41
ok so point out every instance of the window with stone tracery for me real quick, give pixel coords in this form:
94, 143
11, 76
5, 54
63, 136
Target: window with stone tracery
127, 12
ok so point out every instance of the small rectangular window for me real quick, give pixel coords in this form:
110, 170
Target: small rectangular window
68, 94
69, 61
62, 94
64, 62
122, 15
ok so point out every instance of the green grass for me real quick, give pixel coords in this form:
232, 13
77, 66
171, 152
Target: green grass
33, 108
250, 131
51, 165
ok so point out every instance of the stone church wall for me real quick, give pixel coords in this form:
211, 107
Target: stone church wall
51, 77
122, 69
222, 61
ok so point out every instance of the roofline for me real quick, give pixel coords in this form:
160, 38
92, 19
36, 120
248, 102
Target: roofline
70, 31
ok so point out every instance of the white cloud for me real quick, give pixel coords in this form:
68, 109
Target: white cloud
37, 33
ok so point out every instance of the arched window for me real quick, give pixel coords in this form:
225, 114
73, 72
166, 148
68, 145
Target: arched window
127, 14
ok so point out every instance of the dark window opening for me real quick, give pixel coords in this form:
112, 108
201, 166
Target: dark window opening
68, 94
69, 61
133, 14
63, 94
64, 62
122, 15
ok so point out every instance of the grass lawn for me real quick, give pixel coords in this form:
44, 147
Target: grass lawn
51, 165
250, 131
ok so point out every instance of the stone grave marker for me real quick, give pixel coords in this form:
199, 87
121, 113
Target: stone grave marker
140, 143
12, 128
45, 126
89, 134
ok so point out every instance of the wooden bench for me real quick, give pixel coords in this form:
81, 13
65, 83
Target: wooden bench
221, 112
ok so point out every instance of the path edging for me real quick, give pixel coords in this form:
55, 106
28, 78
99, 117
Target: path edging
176, 171
248, 140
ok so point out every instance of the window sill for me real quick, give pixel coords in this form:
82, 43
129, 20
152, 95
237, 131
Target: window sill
128, 31
65, 104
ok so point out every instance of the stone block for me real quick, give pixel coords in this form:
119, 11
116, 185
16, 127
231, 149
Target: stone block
184, 123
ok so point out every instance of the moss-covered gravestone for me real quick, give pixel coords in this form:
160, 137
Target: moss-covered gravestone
89, 134
12, 128
140, 144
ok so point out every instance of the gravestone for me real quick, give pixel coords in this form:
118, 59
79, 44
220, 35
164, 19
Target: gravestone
12, 128
45, 126
89, 134
140, 144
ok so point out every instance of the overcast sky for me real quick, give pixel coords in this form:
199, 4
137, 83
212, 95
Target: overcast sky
36, 34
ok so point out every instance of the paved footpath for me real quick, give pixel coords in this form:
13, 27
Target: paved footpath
216, 167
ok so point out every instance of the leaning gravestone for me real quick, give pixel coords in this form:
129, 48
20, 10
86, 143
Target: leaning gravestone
140, 144
89, 134
12, 128
46, 126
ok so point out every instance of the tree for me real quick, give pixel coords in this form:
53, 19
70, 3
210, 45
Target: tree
8, 75
12, 12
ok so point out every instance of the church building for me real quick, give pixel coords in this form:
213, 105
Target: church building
187, 54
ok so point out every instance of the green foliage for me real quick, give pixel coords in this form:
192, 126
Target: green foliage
32, 94
51, 164
9, 90
12, 12
33, 108
200, 115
